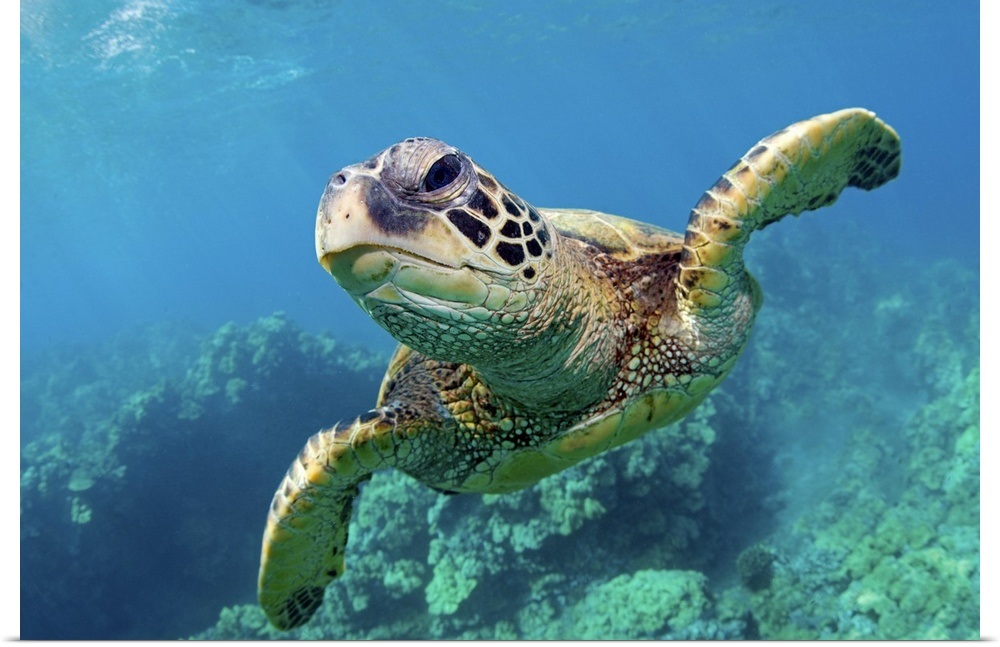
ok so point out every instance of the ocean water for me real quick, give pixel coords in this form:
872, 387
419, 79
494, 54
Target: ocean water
173, 154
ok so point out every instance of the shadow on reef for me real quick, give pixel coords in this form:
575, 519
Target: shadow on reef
828, 489
140, 523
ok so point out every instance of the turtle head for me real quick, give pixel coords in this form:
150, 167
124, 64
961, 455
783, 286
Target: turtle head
434, 248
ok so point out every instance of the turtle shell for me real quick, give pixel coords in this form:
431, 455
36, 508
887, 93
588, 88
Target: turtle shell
626, 240
622, 238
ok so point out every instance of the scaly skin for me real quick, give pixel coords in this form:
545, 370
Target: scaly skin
532, 339
802, 167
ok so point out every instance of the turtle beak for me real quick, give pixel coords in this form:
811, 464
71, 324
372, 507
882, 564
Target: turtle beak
361, 269
342, 220
345, 238
325, 262
358, 211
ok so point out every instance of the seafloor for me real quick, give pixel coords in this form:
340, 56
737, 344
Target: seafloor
829, 488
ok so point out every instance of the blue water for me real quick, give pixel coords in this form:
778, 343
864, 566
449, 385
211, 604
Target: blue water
173, 154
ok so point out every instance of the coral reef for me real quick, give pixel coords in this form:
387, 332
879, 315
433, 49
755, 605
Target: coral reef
828, 489
166, 484
740, 522
755, 566
458, 553
645, 604
869, 563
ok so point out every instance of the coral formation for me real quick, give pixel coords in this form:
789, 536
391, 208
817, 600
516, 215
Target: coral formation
829, 488
166, 486
890, 569
645, 604
842, 547
755, 566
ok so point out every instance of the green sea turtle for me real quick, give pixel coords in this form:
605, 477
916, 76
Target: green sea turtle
531, 339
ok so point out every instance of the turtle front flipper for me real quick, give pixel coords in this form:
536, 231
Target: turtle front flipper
803, 167
306, 533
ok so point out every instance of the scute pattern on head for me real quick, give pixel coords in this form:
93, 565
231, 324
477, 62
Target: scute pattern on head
514, 235
489, 216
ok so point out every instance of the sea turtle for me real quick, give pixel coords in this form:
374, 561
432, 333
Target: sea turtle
531, 339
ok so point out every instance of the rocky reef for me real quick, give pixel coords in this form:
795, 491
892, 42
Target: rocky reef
139, 496
792, 504
490, 567
828, 489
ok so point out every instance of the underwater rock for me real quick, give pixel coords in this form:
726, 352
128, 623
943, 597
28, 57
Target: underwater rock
403, 577
496, 566
854, 457
755, 566
80, 480
451, 585
81, 512
645, 604
899, 567
167, 487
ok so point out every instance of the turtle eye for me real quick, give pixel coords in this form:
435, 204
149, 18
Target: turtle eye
442, 173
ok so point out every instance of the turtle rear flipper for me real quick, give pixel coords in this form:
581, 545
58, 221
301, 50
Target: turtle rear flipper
802, 167
306, 533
